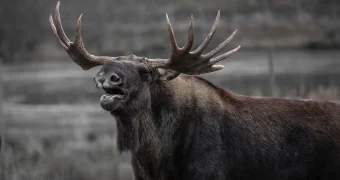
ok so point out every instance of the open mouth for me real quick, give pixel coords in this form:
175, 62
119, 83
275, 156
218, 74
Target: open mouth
114, 93
112, 98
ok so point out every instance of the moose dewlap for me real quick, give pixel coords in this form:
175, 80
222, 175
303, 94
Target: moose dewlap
180, 126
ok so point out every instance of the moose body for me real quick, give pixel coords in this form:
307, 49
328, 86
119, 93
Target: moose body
195, 130
180, 126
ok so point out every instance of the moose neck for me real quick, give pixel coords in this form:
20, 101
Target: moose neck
151, 127
186, 98
135, 130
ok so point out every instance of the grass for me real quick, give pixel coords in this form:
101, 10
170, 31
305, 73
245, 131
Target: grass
57, 142
33, 162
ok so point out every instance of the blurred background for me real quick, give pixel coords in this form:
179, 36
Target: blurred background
51, 122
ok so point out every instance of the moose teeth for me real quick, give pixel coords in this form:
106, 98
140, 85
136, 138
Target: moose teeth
110, 97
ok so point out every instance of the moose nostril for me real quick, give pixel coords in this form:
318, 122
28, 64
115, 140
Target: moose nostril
114, 78
101, 80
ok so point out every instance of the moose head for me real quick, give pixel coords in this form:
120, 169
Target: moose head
127, 79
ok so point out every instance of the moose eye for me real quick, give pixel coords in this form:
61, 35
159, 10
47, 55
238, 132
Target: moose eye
143, 70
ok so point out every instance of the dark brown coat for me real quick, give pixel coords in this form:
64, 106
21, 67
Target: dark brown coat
195, 130
181, 127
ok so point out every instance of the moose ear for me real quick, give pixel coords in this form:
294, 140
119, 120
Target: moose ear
167, 74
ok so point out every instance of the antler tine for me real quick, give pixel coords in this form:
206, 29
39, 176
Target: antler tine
190, 42
224, 56
60, 31
174, 47
76, 50
54, 29
181, 60
79, 40
220, 47
213, 69
184, 61
207, 40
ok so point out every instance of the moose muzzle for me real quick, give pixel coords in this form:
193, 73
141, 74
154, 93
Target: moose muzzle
112, 85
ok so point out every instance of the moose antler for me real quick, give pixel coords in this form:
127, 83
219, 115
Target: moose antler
184, 61
181, 60
76, 50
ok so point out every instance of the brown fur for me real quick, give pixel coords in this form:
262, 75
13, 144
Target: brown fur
189, 128
184, 127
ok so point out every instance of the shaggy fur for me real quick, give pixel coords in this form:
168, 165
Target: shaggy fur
181, 127
188, 128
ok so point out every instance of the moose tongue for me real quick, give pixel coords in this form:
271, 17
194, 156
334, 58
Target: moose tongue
106, 97
109, 101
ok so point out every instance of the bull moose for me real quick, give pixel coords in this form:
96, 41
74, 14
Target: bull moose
178, 125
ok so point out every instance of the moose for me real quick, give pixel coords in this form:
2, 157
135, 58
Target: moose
177, 125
